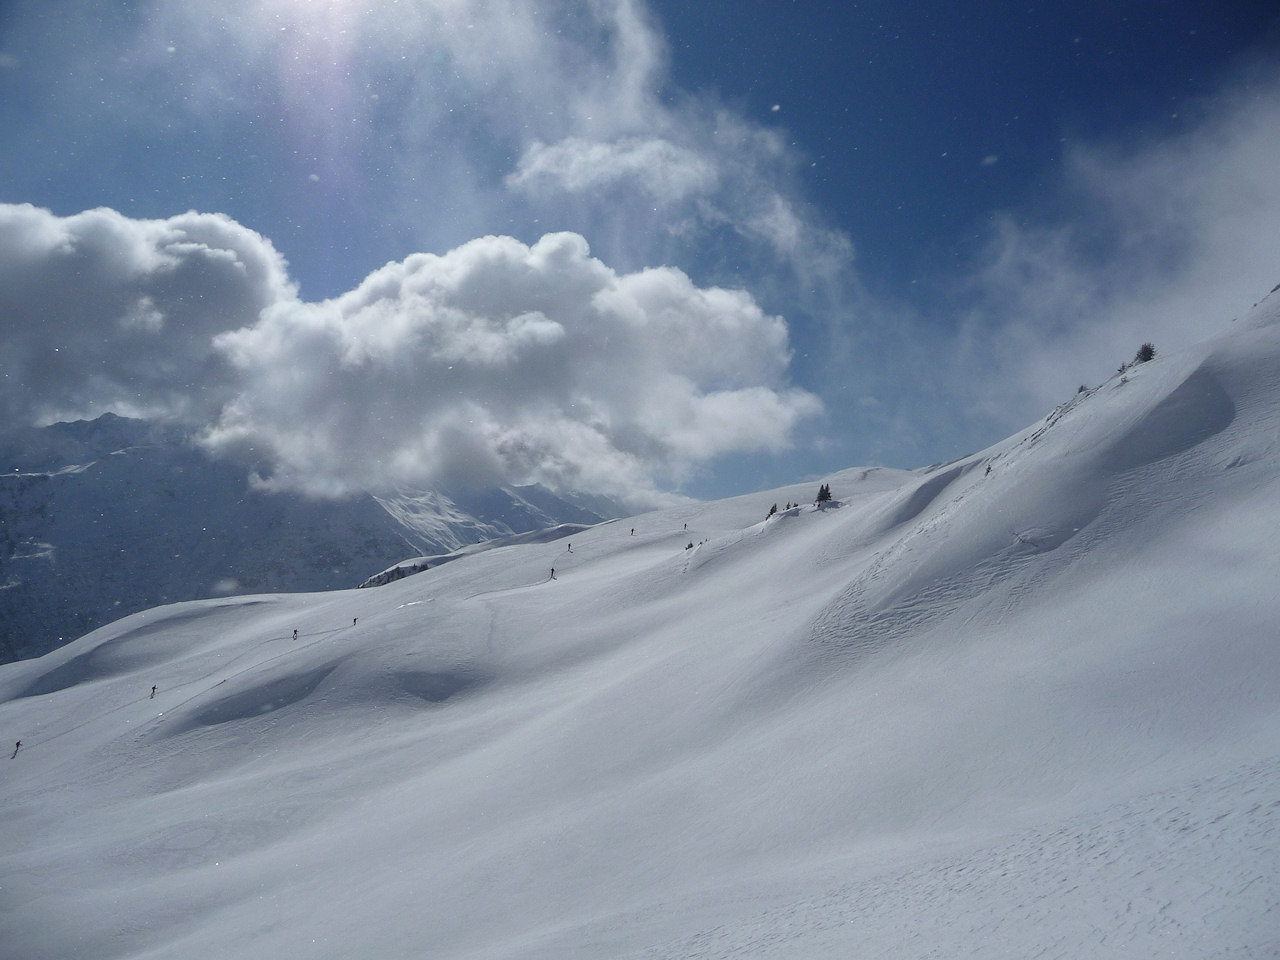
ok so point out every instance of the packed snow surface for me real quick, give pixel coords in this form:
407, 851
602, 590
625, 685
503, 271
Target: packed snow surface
1026, 704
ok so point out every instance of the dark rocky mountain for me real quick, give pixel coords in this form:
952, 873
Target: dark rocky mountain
102, 518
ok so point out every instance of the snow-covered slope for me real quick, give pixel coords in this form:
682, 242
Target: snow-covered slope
100, 519
1031, 710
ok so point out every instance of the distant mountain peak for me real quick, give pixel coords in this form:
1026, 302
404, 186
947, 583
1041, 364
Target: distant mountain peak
95, 512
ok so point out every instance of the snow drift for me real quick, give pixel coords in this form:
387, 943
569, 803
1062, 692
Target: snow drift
1021, 704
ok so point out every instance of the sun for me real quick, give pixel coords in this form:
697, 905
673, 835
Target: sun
330, 19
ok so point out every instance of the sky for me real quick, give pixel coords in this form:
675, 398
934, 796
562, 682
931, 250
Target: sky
642, 249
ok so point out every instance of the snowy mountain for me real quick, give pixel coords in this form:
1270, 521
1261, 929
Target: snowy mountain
1022, 704
99, 519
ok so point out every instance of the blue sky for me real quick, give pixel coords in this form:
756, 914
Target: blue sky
634, 247
918, 120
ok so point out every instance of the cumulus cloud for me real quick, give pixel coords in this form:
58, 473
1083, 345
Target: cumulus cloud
501, 362
496, 362
104, 312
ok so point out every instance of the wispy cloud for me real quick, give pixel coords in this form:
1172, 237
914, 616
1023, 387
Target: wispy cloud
453, 117
662, 170
1161, 239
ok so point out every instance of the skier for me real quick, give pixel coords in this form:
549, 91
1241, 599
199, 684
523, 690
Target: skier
16, 747
295, 634
353, 620
153, 692
553, 573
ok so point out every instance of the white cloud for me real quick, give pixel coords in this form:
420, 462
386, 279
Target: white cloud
487, 116
495, 362
504, 362
1165, 240
101, 311
576, 165
1142, 238
423, 124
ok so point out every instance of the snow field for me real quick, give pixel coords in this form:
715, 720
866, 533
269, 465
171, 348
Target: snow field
1024, 712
